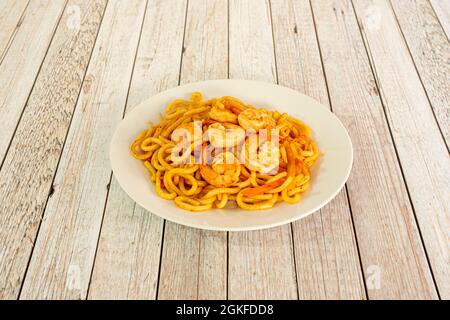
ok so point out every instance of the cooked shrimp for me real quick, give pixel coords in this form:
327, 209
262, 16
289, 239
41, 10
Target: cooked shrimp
255, 119
220, 113
264, 158
223, 172
225, 135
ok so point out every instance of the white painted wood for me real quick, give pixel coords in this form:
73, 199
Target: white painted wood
213, 264
63, 256
321, 255
442, 9
29, 167
194, 262
326, 252
205, 54
421, 149
129, 249
392, 255
21, 63
179, 280
261, 263
11, 12
430, 50
127, 260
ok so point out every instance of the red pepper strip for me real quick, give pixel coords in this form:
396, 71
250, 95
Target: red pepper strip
208, 122
298, 166
291, 169
250, 192
235, 110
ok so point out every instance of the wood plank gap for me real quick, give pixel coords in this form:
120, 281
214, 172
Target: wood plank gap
179, 80
357, 244
295, 262
228, 266
228, 44
160, 260
183, 41
13, 33
269, 8
442, 16
32, 87
228, 77
277, 82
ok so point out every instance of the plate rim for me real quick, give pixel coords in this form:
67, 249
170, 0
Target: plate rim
245, 228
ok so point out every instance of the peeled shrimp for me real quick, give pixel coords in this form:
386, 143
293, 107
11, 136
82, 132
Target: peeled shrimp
255, 119
223, 172
225, 135
220, 113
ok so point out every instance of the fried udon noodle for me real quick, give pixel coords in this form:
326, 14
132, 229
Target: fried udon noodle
205, 154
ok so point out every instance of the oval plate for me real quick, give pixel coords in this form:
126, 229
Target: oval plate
328, 176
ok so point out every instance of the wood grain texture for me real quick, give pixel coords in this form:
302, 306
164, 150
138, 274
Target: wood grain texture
11, 12
430, 49
21, 63
63, 256
67, 230
127, 260
392, 255
29, 167
421, 149
130, 258
261, 263
326, 252
194, 262
442, 9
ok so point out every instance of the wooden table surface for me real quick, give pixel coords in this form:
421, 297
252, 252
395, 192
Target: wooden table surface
71, 69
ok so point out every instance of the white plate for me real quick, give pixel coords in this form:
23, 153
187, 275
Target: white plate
328, 176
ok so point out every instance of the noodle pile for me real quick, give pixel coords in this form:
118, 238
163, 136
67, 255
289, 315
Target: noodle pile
204, 154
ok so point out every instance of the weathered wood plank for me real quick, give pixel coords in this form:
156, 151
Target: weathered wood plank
11, 12
29, 167
194, 262
421, 149
326, 255
392, 255
430, 50
205, 54
261, 263
326, 252
21, 63
179, 281
129, 249
442, 9
63, 256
